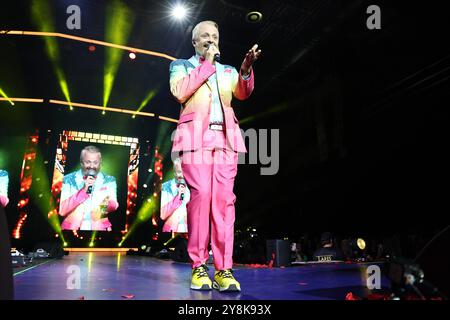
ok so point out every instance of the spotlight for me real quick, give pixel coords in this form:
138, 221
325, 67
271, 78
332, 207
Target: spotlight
354, 249
132, 55
145, 185
361, 243
91, 48
179, 12
253, 17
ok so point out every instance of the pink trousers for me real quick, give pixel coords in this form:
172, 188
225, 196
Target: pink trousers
209, 173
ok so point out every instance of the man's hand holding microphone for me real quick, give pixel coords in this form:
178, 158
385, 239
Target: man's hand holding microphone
212, 53
89, 181
181, 190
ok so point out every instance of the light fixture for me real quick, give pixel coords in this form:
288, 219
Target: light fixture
254, 16
361, 243
179, 12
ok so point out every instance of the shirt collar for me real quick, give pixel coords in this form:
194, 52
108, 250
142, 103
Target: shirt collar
199, 58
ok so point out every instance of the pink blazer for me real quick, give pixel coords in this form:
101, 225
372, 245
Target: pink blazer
189, 86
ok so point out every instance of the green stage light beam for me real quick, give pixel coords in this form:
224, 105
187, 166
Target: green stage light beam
163, 136
279, 108
41, 195
4, 157
42, 16
150, 95
92, 241
118, 23
6, 97
145, 213
111, 165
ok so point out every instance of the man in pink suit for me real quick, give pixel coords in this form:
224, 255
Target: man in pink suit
88, 195
208, 139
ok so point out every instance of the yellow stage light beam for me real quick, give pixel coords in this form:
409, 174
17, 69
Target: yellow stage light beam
42, 16
42, 196
145, 213
6, 97
88, 40
147, 99
118, 23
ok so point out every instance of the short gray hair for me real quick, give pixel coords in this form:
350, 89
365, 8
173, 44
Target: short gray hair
195, 30
91, 149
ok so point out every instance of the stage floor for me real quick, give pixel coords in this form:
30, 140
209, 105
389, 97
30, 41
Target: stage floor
116, 276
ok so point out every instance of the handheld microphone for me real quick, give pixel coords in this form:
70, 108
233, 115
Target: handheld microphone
217, 55
91, 173
182, 182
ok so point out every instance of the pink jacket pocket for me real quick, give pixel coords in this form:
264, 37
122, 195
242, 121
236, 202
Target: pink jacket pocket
186, 117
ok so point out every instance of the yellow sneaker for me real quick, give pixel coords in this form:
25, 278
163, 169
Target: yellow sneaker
200, 279
224, 281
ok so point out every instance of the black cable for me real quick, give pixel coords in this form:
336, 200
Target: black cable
429, 242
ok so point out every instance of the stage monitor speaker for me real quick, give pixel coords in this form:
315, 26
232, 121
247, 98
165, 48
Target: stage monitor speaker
54, 249
279, 251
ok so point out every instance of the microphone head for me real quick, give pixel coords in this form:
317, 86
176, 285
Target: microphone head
216, 56
92, 173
